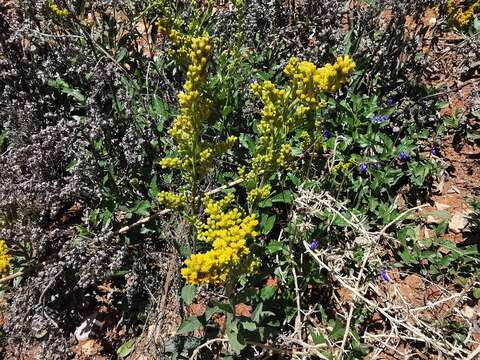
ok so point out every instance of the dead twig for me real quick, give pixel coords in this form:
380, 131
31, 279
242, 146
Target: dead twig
11, 277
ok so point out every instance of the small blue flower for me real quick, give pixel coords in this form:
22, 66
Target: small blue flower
378, 119
435, 151
390, 101
326, 134
404, 156
384, 275
313, 245
376, 166
363, 168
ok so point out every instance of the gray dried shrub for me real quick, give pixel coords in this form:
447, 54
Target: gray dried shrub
45, 131
311, 29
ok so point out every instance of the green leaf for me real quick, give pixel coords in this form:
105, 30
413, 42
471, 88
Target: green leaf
438, 213
340, 221
267, 292
121, 54
236, 341
126, 348
295, 180
406, 257
317, 337
210, 311
476, 293
153, 190
142, 208
283, 197
268, 224
188, 293
121, 273
338, 331
274, 246
224, 307
71, 165
189, 324
256, 314
265, 203
185, 251
249, 325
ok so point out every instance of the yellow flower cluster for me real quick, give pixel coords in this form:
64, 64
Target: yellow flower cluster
171, 200
179, 43
272, 124
342, 166
193, 154
168, 163
286, 110
227, 233
309, 81
461, 15
306, 139
166, 27
56, 9
259, 193
212, 150
5, 259
284, 159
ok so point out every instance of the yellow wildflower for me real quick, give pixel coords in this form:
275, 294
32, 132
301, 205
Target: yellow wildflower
191, 153
171, 200
461, 15
308, 81
5, 259
259, 193
56, 9
342, 166
227, 233
286, 110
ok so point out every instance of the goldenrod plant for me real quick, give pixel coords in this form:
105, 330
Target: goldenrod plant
227, 232
5, 259
289, 109
461, 12
243, 164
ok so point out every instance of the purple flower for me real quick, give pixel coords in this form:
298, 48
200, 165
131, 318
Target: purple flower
390, 101
363, 168
384, 275
313, 245
326, 134
435, 151
378, 119
376, 166
404, 156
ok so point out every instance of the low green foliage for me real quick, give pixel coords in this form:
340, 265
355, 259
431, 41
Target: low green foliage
197, 147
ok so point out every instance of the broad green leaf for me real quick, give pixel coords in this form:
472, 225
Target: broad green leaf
317, 337
142, 208
267, 226
338, 331
126, 348
249, 325
236, 341
439, 213
188, 293
274, 246
256, 314
189, 324
283, 197
210, 311
153, 191
406, 257
267, 292
476, 293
